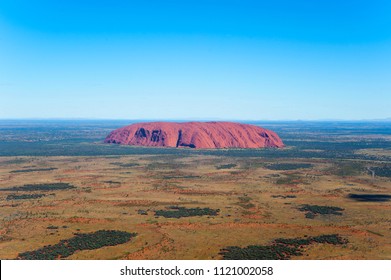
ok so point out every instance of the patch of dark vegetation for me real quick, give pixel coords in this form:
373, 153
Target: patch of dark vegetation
370, 197
82, 241
182, 177
166, 165
347, 168
41, 187
272, 176
244, 199
14, 161
226, 166
52, 227
247, 206
111, 182
125, 164
280, 249
25, 196
382, 171
288, 166
289, 179
179, 212
5, 238
32, 170
283, 196
244, 202
87, 189
314, 210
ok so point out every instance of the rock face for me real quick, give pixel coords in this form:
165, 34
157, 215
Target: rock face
200, 135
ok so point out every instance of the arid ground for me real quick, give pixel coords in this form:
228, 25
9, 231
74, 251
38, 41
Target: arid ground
58, 182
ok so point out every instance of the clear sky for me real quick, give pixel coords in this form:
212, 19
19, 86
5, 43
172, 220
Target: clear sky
203, 59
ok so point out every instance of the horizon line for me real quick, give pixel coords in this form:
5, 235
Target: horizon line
196, 119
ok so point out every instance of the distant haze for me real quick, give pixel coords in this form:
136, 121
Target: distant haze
195, 60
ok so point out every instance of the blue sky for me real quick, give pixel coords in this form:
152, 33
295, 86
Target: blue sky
225, 60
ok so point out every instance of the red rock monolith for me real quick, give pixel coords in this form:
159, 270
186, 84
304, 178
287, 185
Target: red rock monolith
199, 135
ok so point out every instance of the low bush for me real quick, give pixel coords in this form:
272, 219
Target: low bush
288, 166
280, 249
81, 241
24, 196
32, 170
226, 166
179, 212
41, 187
313, 210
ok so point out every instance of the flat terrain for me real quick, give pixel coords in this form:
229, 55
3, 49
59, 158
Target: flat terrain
61, 186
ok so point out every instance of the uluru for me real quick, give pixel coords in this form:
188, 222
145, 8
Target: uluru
198, 135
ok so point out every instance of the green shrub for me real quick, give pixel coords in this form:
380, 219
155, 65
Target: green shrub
41, 187
288, 166
179, 212
226, 166
313, 210
24, 196
382, 171
81, 241
280, 249
32, 170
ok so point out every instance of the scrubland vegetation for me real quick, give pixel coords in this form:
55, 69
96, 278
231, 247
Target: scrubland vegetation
179, 212
81, 241
66, 195
280, 249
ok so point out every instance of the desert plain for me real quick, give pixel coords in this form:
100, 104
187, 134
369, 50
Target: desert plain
59, 181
